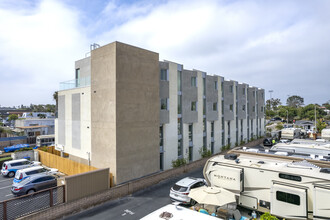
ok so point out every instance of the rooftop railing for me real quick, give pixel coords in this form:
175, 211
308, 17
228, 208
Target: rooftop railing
75, 83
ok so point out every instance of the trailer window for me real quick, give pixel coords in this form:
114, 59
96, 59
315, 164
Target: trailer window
290, 177
288, 198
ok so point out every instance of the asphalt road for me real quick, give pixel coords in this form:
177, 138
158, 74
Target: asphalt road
5, 185
138, 204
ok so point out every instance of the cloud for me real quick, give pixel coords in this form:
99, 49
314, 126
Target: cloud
39, 44
277, 45
280, 45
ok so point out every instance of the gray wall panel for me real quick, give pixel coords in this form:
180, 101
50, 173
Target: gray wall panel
61, 119
211, 97
241, 98
228, 100
252, 102
189, 95
76, 120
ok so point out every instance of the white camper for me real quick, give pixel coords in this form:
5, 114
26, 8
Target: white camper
292, 190
326, 134
309, 149
290, 133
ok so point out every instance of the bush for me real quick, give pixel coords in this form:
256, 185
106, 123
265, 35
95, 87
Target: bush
179, 162
242, 143
226, 147
279, 126
204, 152
267, 216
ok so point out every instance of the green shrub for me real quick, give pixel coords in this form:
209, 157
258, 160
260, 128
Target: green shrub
267, 216
204, 152
242, 143
279, 126
179, 162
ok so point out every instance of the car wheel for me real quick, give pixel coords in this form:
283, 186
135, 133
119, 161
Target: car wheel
30, 191
11, 174
192, 202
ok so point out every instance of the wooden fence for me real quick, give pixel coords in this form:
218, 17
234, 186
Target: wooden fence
64, 165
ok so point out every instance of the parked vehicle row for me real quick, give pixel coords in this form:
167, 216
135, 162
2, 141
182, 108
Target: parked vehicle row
30, 176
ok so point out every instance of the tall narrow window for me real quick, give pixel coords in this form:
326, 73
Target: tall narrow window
204, 124
215, 106
231, 89
216, 85
204, 86
204, 107
212, 129
163, 104
179, 104
161, 136
180, 148
243, 91
190, 133
231, 107
179, 81
193, 106
243, 107
77, 77
163, 74
179, 126
193, 81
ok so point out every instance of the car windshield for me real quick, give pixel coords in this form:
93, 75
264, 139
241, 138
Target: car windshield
18, 176
179, 188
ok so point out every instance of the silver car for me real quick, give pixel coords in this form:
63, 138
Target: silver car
34, 183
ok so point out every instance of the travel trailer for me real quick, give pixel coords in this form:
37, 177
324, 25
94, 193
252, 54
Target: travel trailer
290, 133
325, 134
291, 190
311, 149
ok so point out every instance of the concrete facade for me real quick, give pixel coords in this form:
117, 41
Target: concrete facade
145, 113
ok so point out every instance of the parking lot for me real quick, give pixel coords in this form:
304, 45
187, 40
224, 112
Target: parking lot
5, 185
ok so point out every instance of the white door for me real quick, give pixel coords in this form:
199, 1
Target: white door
288, 201
321, 203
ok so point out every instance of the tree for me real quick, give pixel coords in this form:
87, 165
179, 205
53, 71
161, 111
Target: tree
55, 97
320, 125
295, 101
273, 104
308, 112
12, 117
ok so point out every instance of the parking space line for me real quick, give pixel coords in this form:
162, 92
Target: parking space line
5, 180
5, 187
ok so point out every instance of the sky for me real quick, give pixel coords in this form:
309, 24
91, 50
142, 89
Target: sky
281, 46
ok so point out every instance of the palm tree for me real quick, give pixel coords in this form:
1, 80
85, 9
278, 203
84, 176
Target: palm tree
55, 97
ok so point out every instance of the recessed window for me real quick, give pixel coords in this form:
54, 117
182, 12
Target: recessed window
243, 107
215, 106
231, 107
163, 104
216, 85
190, 133
290, 177
243, 91
262, 109
253, 109
288, 198
193, 81
193, 106
163, 74
231, 89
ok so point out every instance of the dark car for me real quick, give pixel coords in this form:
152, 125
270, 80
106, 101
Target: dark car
34, 183
268, 142
276, 119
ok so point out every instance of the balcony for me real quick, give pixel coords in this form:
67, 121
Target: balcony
75, 83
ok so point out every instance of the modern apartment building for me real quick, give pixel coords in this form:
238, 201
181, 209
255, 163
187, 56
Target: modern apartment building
129, 111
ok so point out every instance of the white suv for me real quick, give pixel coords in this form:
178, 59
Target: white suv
9, 168
179, 192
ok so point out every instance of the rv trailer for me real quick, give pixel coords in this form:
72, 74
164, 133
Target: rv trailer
325, 134
291, 190
311, 149
290, 133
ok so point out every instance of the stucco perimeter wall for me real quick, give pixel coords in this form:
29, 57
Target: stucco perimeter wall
125, 110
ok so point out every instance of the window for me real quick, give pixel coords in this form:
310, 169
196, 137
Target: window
243, 91
179, 104
163, 74
193, 106
212, 129
290, 177
204, 86
180, 148
190, 133
163, 104
222, 107
288, 198
231, 107
253, 109
161, 135
231, 89
179, 80
215, 106
179, 126
204, 124
254, 94
262, 109
204, 106
77, 77
193, 81
216, 85
243, 107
